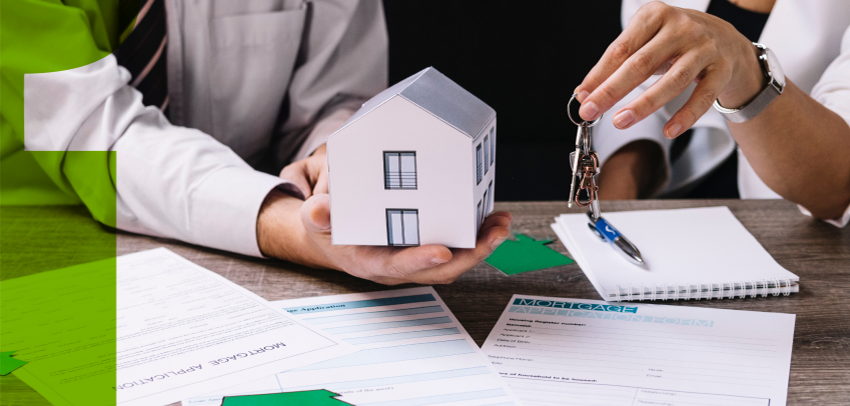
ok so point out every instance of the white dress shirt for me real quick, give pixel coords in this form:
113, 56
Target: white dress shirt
249, 82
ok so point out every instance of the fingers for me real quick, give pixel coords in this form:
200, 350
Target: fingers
321, 185
297, 173
494, 231
637, 69
704, 95
427, 264
407, 262
675, 81
316, 214
642, 27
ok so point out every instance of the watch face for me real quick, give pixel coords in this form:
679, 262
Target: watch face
775, 68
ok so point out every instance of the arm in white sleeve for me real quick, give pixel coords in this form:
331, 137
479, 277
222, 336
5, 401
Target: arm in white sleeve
833, 91
344, 62
171, 181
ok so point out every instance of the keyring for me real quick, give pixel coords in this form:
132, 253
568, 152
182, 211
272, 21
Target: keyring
583, 122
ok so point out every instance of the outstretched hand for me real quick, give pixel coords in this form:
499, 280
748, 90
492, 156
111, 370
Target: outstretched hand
426, 264
300, 231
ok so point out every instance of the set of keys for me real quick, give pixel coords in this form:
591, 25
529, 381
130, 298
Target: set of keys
585, 166
583, 189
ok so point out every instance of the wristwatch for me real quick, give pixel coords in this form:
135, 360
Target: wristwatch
776, 83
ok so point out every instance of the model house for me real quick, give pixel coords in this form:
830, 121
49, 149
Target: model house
414, 166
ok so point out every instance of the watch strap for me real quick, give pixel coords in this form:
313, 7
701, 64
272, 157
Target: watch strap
752, 108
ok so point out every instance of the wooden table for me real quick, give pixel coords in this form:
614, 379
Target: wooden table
819, 253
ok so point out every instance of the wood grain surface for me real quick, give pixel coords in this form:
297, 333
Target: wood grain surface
817, 252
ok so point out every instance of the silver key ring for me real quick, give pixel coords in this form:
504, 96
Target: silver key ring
583, 122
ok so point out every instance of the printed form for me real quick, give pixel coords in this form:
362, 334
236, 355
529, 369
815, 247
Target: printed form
412, 352
180, 330
586, 352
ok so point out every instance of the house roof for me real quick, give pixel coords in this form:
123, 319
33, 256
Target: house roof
437, 94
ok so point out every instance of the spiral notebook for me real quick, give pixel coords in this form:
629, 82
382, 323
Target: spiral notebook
700, 253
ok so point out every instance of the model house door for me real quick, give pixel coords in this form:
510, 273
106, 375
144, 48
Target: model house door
403, 226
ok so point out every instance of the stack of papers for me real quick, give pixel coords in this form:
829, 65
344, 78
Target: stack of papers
703, 253
413, 351
181, 330
184, 332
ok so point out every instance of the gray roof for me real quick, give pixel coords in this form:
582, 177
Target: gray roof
438, 95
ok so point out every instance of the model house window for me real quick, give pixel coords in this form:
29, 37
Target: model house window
403, 226
489, 202
492, 146
478, 162
486, 154
399, 170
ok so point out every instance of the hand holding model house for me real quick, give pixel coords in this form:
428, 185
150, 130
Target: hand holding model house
411, 175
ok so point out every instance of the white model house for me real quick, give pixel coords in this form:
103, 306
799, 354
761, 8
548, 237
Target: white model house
414, 166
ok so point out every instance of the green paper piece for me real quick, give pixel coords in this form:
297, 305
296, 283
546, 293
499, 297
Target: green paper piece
525, 254
9, 364
319, 397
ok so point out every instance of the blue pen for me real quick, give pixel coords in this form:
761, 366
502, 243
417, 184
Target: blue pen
604, 230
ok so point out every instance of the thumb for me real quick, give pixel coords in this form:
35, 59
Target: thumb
316, 213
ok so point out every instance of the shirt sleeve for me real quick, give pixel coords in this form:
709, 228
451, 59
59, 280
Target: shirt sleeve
67, 102
833, 91
170, 181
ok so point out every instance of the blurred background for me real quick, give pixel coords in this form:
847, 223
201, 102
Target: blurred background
523, 59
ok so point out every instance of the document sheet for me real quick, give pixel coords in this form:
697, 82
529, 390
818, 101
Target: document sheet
181, 330
555, 351
412, 352
690, 253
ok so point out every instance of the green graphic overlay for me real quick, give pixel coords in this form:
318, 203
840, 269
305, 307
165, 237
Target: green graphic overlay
313, 398
61, 322
525, 254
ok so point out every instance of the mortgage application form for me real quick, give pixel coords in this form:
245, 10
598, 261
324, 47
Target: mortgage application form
178, 330
554, 351
412, 352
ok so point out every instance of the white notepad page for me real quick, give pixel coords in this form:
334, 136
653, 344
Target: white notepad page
555, 351
689, 253
413, 351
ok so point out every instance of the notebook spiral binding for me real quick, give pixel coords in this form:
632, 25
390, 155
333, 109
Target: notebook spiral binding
725, 290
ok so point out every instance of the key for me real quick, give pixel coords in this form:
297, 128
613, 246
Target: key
575, 156
584, 164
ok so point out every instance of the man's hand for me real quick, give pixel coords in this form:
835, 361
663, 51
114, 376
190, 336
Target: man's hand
309, 174
299, 231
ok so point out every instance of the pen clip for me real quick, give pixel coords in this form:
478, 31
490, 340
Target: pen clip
592, 226
595, 231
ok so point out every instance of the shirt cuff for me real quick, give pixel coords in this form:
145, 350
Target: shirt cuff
224, 208
839, 222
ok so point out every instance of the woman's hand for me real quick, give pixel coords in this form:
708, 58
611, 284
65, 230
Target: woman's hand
300, 231
686, 46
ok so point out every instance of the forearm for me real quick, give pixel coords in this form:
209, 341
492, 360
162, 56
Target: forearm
281, 234
628, 172
801, 150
